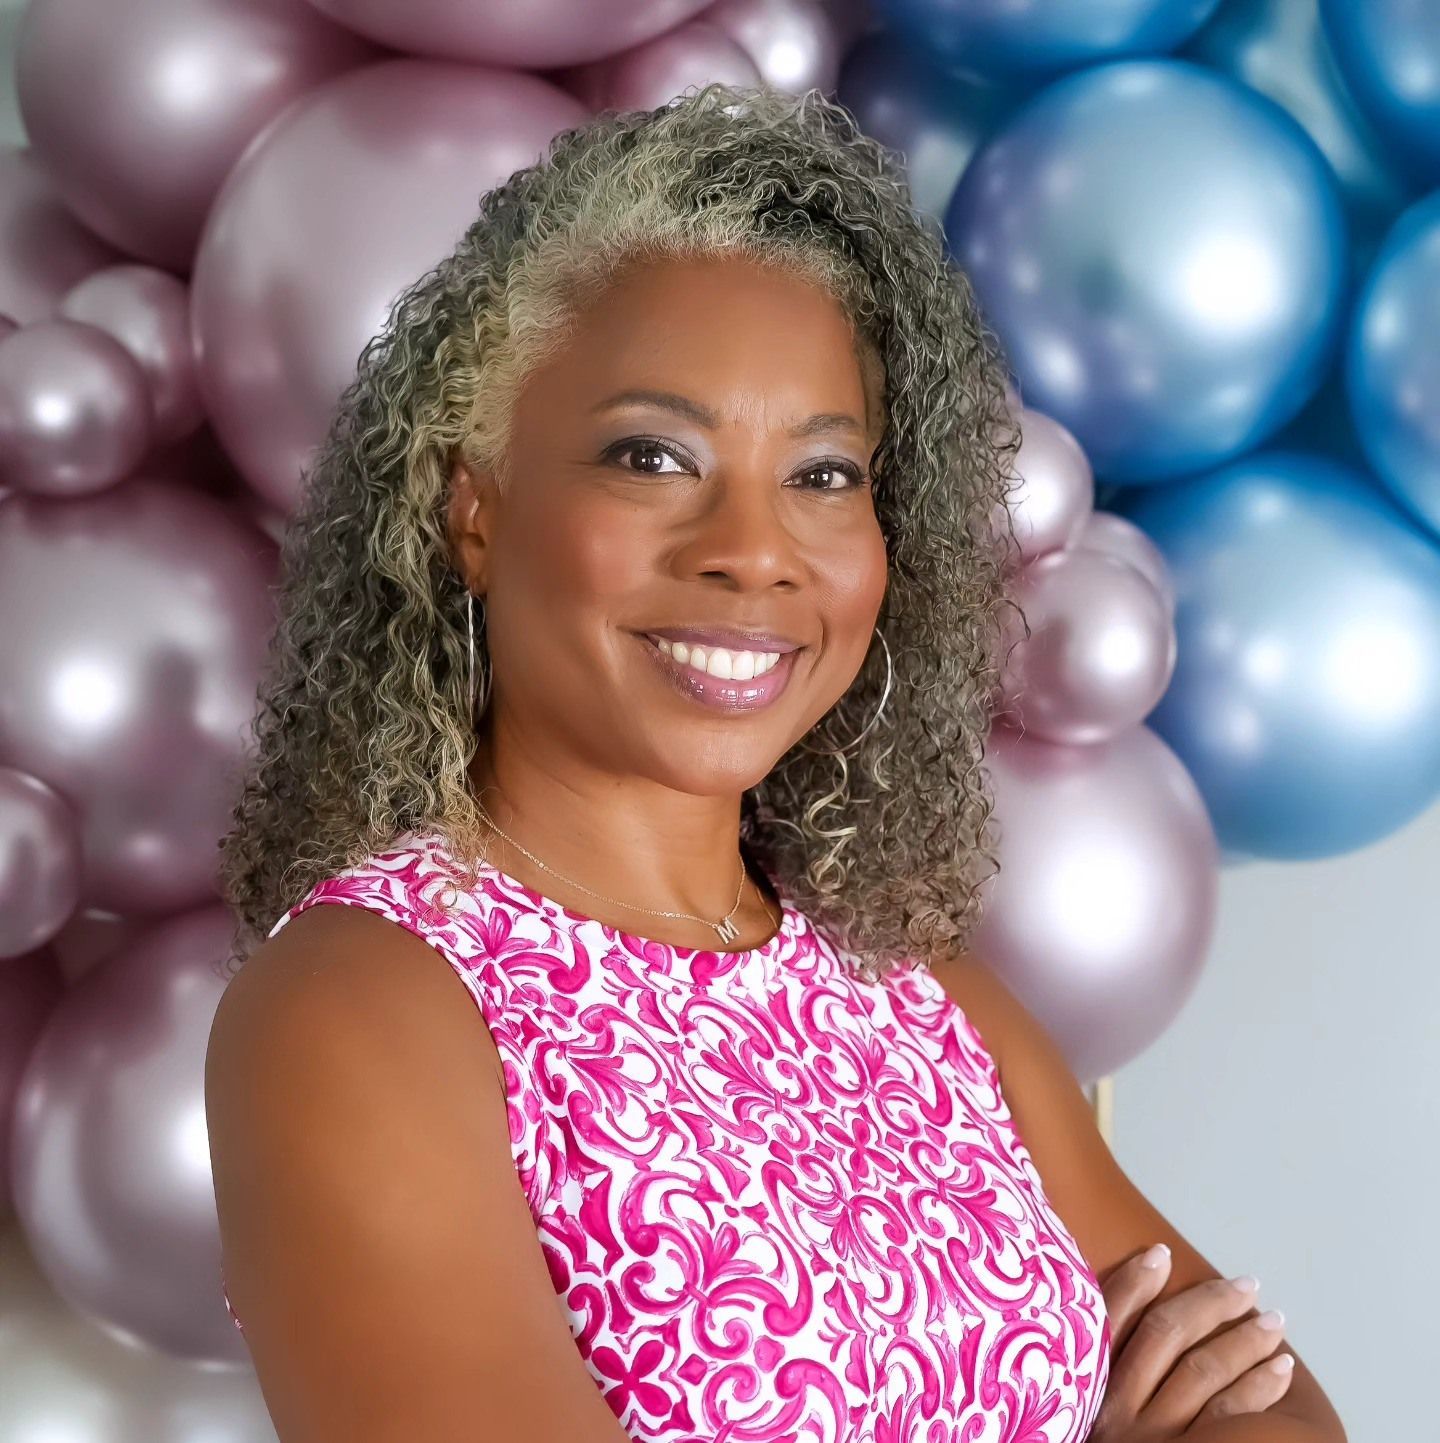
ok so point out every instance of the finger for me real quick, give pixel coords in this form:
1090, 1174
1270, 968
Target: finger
1131, 1288
1264, 1385
1214, 1366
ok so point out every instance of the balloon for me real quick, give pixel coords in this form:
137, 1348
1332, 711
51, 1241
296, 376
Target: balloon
1112, 534
1102, 914
148, 312
795, 44
128, 680
935, 121
75, 409
139, 110
1041, 37
1389, 53
111, 1160
1163, 256
532, 36
30, 988
657, 70
1306, 698
39, 862
44, 250
1392, 368
1055, 490
1100, 654
1278, 47
381, 171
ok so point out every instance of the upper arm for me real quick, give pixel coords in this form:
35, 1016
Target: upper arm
1109, 1217
378, 1246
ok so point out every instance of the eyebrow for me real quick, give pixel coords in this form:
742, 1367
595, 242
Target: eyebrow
821, 422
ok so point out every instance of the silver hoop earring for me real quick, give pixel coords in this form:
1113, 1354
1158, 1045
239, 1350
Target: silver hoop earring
470, 600
879, 711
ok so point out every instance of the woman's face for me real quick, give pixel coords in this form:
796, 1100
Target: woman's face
697, 456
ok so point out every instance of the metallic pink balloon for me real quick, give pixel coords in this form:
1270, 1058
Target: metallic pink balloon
535, 35
1120, 537
75, 409
44, 250
129, 682
1101, 652
148, 311
1056, 490
795, 44
656, 71
1104, 909
139, 110
111, 1159
381, 172
40, 860
30, 989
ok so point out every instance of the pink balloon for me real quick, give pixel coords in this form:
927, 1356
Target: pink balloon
128, 681
1056, 486
1104, 909
536, 35
381, 172
1101, 652
90, 936
139, 110
795, 44
148, 312
44, 250
40, 859
112, 1177
1121, 538
653, 73
30, 989
75, 409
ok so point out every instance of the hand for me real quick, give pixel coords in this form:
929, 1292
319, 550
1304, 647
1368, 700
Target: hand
1166, 1371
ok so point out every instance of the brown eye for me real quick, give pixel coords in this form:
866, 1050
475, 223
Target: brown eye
648, 447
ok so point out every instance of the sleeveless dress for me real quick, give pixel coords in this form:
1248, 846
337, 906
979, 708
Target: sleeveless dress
779, 1204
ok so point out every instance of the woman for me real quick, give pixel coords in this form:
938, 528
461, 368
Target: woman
636, 642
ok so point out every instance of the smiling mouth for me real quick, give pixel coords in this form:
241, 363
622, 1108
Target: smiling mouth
770, 674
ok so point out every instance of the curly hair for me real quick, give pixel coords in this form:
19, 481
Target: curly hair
364, 729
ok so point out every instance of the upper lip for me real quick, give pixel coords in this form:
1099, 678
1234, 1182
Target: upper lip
722, 636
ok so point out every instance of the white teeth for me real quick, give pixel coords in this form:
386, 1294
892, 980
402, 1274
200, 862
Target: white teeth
717, 661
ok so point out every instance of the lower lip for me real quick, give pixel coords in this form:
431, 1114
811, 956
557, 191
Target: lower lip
716, 692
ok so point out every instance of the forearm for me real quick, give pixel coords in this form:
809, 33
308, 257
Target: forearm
1266, 1427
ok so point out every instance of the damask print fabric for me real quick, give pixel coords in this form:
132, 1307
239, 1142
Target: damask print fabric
780, 1204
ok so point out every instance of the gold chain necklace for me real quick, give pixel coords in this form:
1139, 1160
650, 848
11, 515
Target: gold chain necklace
726, 927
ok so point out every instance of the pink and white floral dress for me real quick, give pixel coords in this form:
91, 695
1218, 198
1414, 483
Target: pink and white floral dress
779, 1204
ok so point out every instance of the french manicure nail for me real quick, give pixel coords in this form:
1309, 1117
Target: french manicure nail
1273, 1318
1155, 1257
1245, 1283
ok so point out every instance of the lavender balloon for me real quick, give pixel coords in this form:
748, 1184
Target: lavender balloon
139, 110
111, 1159
75, 409
1103, 911
30, 989
381, 171
654, 72
1056, 487
40, 858
148, 312
1122, 539
795, 44
140, 618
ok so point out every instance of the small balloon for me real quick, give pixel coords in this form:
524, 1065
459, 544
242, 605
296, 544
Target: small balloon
75, 409
794, 44
1118, 537
40, 861
654, 72
1055, 490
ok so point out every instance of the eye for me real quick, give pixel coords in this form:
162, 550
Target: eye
647, 445
831, 467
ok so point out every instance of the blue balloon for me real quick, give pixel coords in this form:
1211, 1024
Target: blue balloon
1389, 53
1306, 696
1392, 363
1278, 47
1043, 37
1162, 254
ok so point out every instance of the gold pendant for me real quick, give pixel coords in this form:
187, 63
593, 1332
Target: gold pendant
727, 929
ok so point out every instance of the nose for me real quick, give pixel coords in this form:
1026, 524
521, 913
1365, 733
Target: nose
742, 536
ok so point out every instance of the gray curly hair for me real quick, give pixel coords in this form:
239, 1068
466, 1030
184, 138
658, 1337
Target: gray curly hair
364, 729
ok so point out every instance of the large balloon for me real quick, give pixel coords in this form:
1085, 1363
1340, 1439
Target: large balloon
39, 862
30, 989
1162, 253
139, 110
111, 1160
44, 250
1043, 37
1306, 698
136, 625
532, 36
796, 44
1393, 362
1102, 913
1389, 51
381, 172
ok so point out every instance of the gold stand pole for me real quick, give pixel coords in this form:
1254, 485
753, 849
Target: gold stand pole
1102, 1100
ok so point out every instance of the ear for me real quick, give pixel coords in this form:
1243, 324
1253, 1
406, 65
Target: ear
470, 522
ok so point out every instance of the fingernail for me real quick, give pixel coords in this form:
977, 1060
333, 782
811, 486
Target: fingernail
1155, 1257
1273, 1318
1283, 1363
1245, 1283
